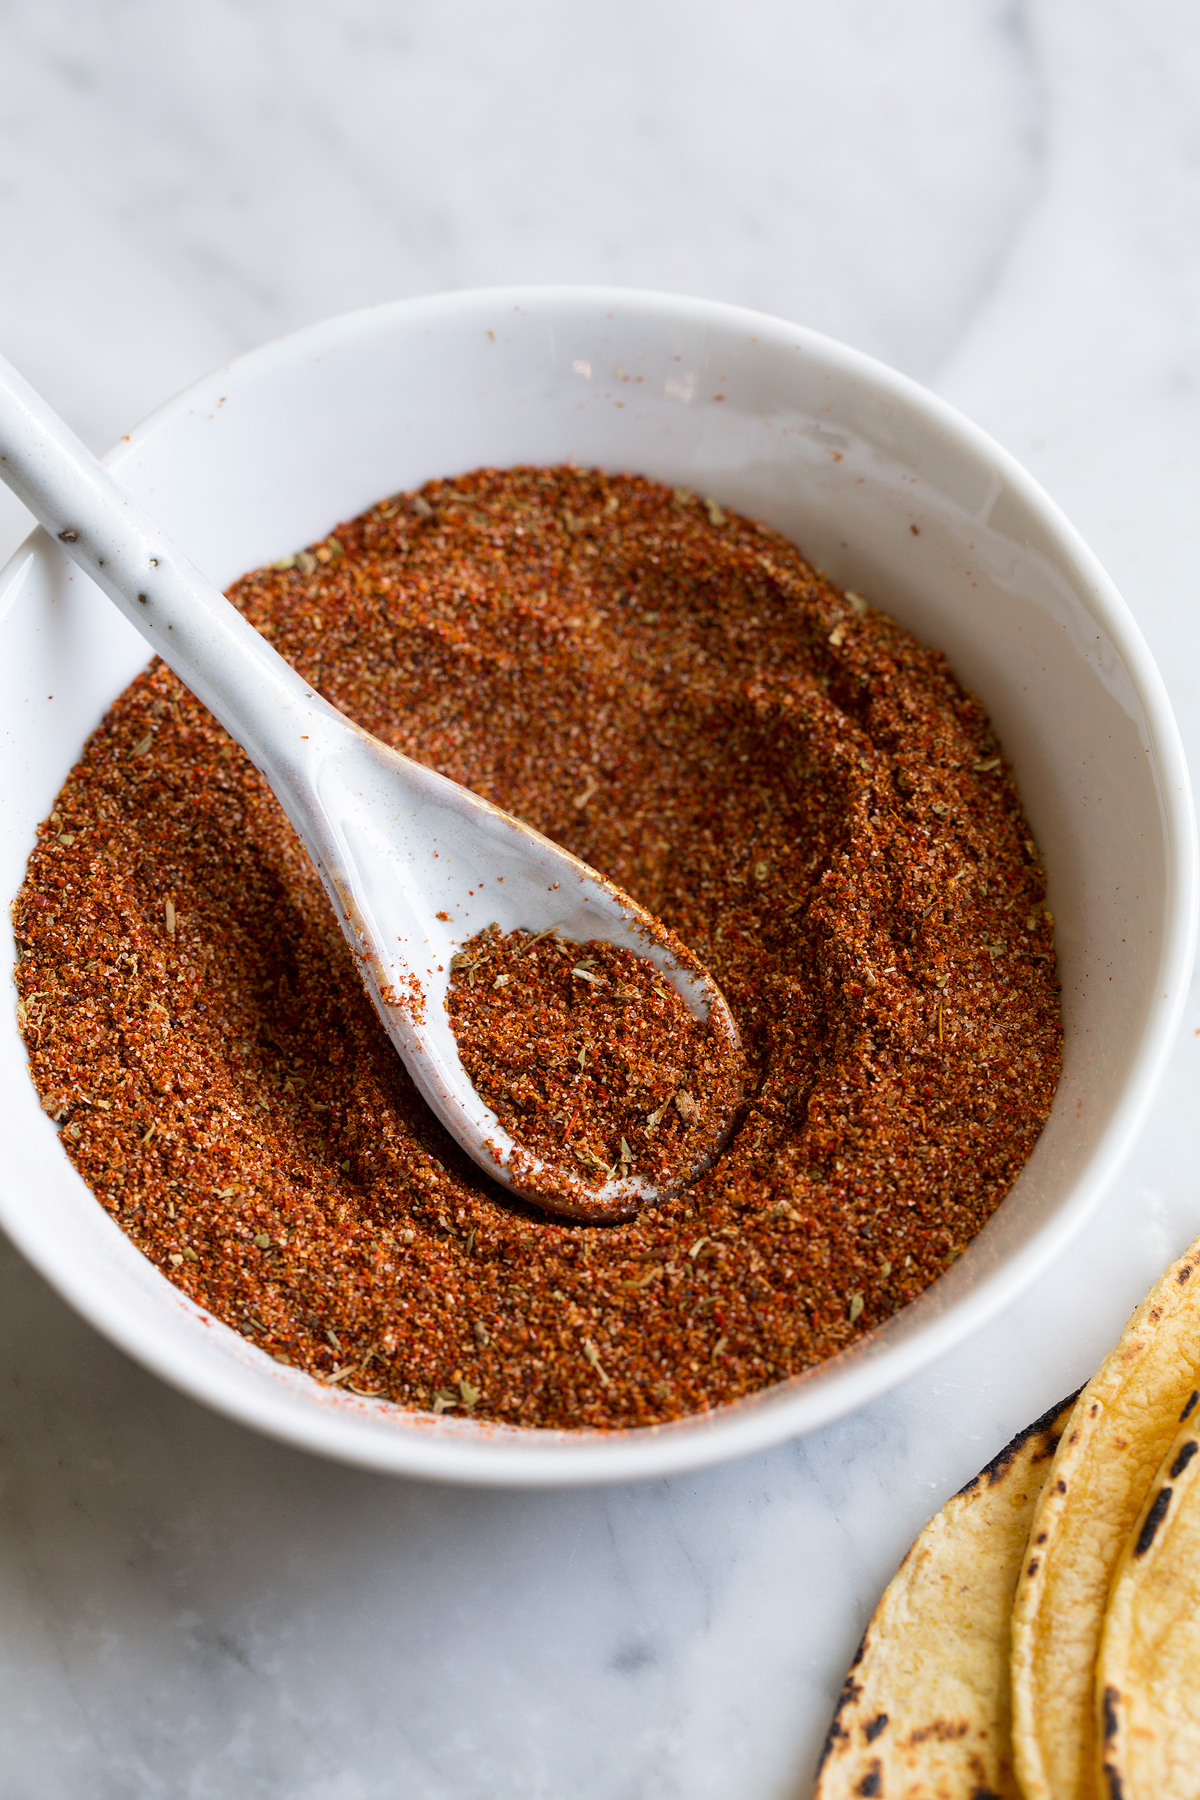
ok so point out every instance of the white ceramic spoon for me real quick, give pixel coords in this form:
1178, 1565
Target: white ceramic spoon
396, 845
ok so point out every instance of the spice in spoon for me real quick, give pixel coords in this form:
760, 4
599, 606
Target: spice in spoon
588, 1055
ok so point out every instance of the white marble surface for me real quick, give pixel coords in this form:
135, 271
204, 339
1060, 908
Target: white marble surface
1003, 199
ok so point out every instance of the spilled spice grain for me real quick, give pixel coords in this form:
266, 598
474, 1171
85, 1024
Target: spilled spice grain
587, 1054
798, 788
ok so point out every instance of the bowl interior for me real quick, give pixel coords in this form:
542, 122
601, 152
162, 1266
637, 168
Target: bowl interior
878, 483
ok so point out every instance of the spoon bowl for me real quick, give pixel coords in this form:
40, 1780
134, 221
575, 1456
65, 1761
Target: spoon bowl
417, 865
413, 863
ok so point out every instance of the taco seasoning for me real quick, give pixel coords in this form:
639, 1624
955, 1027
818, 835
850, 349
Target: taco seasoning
792, 783
591, 1060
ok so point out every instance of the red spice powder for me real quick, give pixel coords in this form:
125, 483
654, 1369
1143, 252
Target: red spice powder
589, 1057
799, 789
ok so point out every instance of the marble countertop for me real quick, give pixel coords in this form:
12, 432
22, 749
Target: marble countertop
1002, 198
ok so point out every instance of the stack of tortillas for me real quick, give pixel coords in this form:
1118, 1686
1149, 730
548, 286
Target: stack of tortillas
1042, 1636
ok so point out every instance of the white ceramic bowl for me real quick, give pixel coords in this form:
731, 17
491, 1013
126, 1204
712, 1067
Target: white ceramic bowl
879, 482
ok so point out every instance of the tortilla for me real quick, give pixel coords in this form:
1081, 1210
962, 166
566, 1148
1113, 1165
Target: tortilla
1121, 1428
1148, 1671
924, 1713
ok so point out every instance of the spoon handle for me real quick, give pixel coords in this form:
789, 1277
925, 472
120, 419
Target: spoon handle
385, 833
254, 693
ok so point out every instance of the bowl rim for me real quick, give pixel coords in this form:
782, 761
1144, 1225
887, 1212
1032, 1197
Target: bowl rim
477, 1454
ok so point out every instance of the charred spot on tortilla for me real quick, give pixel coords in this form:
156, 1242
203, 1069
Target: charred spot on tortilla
998, 1467
1111, 1696
849, 1694
1186, 1453
1153, 1520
